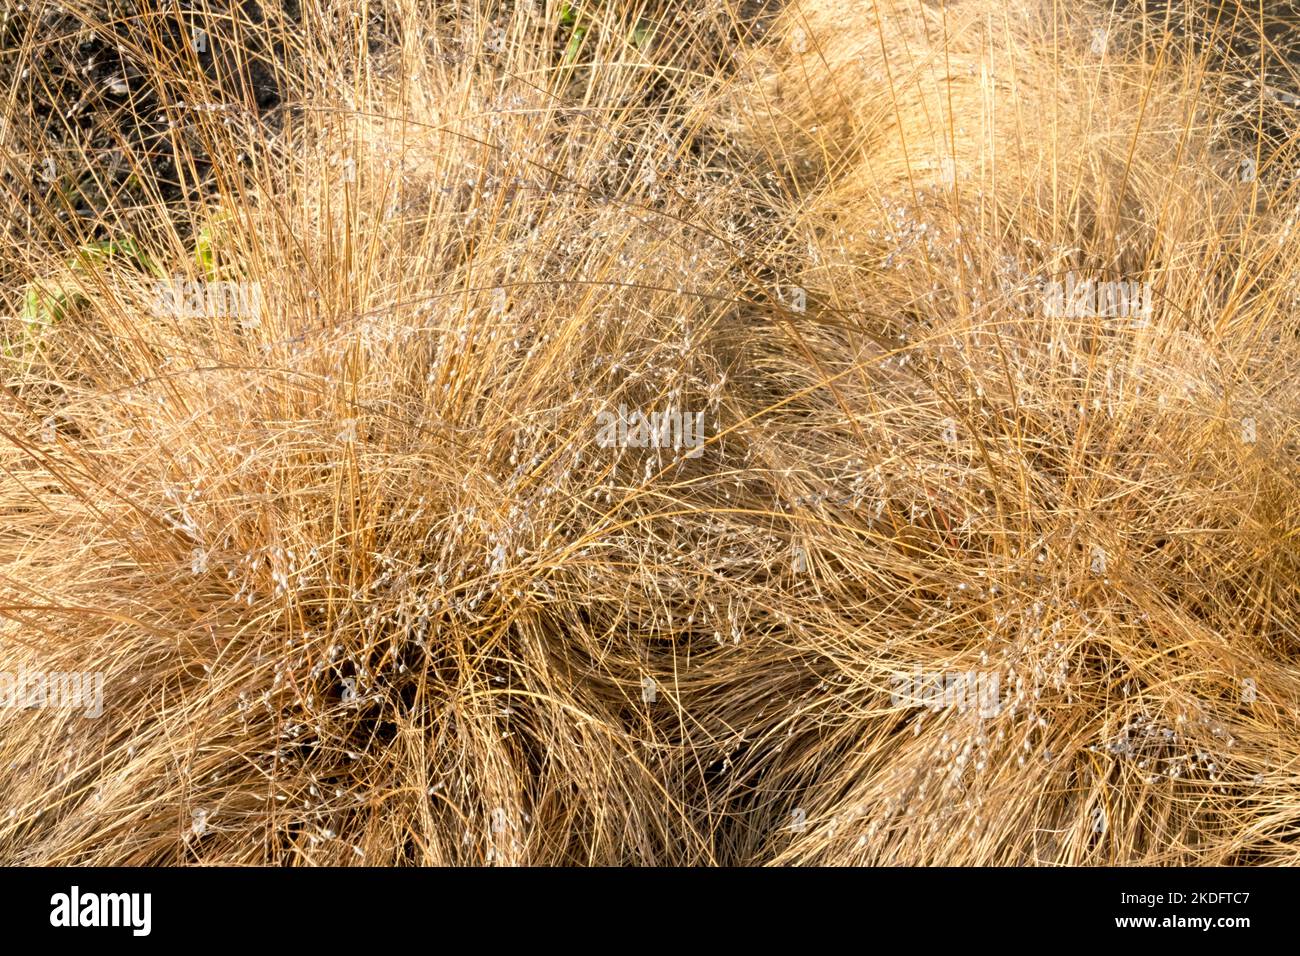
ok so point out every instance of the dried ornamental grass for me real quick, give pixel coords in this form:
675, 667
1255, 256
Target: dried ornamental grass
364, 587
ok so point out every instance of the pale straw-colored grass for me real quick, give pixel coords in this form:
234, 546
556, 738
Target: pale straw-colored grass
364, 587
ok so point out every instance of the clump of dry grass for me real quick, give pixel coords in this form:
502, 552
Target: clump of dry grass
365, 588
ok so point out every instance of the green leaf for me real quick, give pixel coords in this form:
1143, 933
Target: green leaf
94, 254
575, 44
642, 33
43, 307
35, 310
215, 234
48, 302
205, 252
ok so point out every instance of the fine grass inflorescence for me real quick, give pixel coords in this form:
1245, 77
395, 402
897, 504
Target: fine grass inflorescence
665, 433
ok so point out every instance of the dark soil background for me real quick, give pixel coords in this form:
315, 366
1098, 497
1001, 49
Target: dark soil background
77, 95
1256, 49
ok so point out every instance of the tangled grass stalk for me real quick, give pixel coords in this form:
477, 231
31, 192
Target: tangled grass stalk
995, 354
